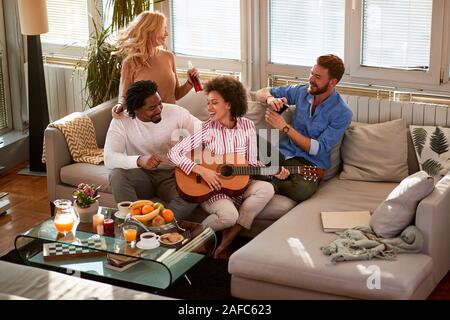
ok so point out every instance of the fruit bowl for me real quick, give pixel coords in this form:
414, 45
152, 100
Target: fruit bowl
168, 227
153, 216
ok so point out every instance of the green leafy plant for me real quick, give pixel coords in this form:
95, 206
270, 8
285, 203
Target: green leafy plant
125, 10
102, 69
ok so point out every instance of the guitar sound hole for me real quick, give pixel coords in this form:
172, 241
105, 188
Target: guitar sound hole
226, 171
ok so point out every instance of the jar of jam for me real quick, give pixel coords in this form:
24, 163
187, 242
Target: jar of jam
108, 227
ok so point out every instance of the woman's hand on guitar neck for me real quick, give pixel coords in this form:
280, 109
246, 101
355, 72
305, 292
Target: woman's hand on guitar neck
283, 174
211, 177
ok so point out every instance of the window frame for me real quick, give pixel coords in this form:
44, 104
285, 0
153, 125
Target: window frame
75, 51
255, 68
436, 80
412, 77
267, 69
241, 66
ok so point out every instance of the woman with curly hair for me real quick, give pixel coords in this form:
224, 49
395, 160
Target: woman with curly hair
142, 44
226, 131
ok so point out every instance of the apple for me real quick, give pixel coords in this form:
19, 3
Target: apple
159, 205
158, 221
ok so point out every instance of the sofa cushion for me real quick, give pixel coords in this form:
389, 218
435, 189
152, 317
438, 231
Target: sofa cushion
375, 152
432, 146
276, 207
288, 252
397, 212
196, 103
75, 173
335, 163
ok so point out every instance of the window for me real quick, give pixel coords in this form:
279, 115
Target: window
301, 30
399, 43
213, 34
397, 34
207, 28
70, 22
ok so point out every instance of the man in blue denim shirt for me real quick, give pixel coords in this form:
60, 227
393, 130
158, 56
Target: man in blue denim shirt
319, 122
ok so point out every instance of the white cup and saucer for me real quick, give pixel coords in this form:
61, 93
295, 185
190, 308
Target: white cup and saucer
148, 240
124, 209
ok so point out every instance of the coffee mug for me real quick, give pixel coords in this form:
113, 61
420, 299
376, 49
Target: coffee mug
124, 207
149, 239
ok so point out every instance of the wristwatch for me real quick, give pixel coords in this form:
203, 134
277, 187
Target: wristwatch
286, 128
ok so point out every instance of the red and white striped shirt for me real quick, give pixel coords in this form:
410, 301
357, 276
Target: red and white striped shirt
219, 140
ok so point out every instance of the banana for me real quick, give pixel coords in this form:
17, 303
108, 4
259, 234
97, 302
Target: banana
140, 204
147, 217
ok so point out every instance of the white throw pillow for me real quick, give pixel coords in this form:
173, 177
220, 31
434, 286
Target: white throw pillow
432, 146
398, 211
375, 152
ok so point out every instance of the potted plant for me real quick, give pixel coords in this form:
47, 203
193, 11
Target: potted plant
86, 201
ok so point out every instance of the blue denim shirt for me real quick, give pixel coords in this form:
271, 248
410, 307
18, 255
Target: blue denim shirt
325, 127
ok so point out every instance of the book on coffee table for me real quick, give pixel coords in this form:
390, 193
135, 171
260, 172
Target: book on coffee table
333, 221
120, 263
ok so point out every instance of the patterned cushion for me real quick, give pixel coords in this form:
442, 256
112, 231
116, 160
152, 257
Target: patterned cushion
432, 145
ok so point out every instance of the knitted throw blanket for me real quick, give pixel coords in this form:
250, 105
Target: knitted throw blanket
79, 132
361, 243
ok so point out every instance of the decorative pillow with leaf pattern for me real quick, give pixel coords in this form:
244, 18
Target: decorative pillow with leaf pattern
432, 145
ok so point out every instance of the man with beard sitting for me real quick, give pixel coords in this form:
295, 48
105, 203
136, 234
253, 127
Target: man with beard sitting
319, 122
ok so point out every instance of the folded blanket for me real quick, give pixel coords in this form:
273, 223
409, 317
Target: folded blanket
79, 132
361, 243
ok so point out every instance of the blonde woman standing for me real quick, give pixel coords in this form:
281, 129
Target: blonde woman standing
142, 44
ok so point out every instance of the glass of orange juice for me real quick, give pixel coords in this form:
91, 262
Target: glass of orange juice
129, 233
65, 216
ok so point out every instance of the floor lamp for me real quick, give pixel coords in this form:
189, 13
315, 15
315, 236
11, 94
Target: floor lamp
33, 22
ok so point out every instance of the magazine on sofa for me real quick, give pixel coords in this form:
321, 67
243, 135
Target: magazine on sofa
333, 221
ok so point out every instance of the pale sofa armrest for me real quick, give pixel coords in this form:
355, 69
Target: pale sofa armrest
433, 220
57, 156
57, 152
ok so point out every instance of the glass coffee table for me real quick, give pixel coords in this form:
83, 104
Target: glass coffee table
84, 251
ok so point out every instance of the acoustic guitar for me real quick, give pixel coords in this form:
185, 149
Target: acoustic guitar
234, 174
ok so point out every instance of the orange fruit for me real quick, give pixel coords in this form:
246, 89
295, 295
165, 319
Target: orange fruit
168, 215
147, 209
136, 211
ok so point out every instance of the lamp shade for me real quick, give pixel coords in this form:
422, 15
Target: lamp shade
33, 17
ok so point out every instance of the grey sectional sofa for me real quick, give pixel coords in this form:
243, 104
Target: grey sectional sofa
283, 260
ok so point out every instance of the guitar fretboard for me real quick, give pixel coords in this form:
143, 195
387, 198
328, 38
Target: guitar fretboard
266, 171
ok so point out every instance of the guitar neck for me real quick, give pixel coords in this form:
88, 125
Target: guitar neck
263, 171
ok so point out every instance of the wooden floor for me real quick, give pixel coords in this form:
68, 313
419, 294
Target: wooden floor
29, 206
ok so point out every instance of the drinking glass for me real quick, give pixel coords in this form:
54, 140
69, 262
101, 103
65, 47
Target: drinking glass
129, 233
65, 216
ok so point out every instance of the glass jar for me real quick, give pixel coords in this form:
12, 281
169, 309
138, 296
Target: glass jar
65, 216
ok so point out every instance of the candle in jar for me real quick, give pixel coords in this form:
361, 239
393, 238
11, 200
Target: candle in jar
97, 223
108, 226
